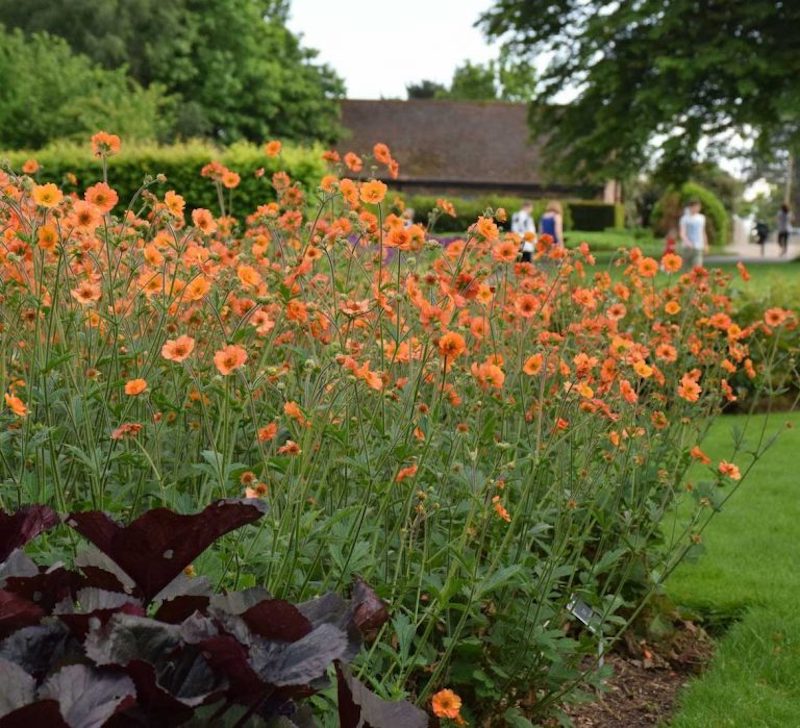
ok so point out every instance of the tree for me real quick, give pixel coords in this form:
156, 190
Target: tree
234, 66
49, 92
473, 81
645, 72
426, 89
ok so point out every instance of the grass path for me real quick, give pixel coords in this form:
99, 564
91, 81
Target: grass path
752, 566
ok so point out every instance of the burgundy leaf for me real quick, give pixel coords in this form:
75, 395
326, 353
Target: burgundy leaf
227, 656
17, 612
16, 529
155, 707
359, 707
176, 610
275, 619
158, 545
80, 624
369, 610
46, 589
87, 698
17, 688
43, 713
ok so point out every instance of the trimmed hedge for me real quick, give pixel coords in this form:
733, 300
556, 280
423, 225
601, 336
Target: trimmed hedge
596, 216
585, 215
668, 210
181, 164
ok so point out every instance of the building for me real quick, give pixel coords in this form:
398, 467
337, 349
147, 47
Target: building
459, 148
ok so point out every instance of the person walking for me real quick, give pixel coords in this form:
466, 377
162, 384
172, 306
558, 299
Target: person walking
552, 222
694, 239
784, 228
522, 224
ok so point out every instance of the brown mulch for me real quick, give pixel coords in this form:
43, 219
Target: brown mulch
646, 681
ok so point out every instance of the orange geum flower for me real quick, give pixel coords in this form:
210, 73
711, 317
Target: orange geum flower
135, 387
174, 203
86, 293
689, 389
268, 432
372, 192
647, 267
230, 180
86, 216
289, 448
743, 272
672, 307
353, 162
642, 369
105, 144
292, 409
730, 470
127, 429
47, 195
506, 251
452, 344
179, 349
101, 196
16, 405
503, 513
672, 263
249, 276
775, 316
230, 358
407, 472
272, 148
446, 704
204, 220
526, 305
47, 236
533, 365
197, 288
382, 153
487, 228
30, 166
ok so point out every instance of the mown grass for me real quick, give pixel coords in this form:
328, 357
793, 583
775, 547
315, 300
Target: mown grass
750, 568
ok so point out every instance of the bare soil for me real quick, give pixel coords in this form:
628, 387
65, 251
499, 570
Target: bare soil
644, 689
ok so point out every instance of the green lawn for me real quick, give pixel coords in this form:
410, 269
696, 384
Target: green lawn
751, 568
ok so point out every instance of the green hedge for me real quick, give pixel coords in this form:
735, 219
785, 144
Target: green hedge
668, 210
578, 214
181, 164
595, 216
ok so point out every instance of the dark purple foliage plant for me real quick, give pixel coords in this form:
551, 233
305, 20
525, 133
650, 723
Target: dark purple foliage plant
127, 639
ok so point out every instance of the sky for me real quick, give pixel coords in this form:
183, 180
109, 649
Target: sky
379, 46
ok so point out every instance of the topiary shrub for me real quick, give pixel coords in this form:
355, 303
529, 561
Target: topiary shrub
596, 216
668, 210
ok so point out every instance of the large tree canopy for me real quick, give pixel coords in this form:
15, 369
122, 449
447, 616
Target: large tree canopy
235, 68
674, 72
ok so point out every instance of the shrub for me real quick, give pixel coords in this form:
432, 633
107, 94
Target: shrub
669, 208
592, 215
73, 166
129, 639
494, 446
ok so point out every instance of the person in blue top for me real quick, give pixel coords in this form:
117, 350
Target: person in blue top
552, 222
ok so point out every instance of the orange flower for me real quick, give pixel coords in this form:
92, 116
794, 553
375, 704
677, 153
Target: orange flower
47, 195
697, 454
267, 432
487, 228
30, 166
452, 344
128, 429
204, 220
290, 448
179, 349
353, 162
775, 316
105, 144
175, 203
533, 365
647, 267
16, 405
642, 369
48, 237
730, 470
86, 293
446, 704
743, 272
230, 180
292, 409
672, 307
135, 387
373, 191
672, 263
101, 196
689, 389
230, 358
249, 276
526, 305
506, 251
408, 472
86, 216
272, 148
197, 288
503, 513
382, 153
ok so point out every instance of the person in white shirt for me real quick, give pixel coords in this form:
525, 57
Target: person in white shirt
522, 224
693, 235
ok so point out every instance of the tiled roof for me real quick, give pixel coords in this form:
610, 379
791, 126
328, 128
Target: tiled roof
470, 141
